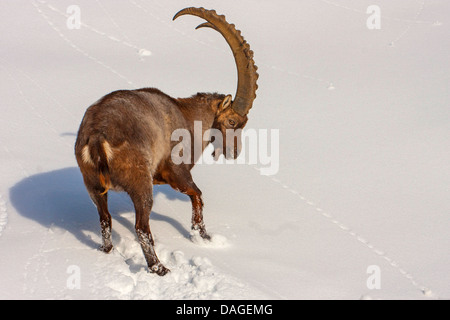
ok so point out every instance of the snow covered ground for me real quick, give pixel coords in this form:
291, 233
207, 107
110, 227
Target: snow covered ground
359, 208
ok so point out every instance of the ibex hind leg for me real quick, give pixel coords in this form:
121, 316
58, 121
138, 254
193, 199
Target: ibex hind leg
101, 201
143, 202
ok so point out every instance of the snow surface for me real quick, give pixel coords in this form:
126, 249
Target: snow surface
364, 169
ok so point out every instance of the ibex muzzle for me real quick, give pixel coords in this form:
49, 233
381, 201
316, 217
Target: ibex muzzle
124, 142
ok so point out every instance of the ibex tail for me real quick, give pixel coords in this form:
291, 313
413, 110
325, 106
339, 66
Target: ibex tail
100, 153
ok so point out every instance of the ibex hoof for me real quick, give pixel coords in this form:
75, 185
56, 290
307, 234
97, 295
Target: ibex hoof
205, 236
201, 231
159, 269
106, 249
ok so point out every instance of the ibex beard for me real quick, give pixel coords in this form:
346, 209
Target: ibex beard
124, 141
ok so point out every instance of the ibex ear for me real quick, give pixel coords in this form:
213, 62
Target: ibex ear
225, 103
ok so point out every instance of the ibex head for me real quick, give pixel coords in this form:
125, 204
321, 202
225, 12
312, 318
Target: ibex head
231, 114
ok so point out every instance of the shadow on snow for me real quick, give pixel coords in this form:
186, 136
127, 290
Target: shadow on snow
59, 198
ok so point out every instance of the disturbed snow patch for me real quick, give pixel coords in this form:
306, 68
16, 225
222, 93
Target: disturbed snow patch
216, 241
123, 275
144, 53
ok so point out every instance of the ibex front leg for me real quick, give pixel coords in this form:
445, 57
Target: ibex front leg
181, 180
197, 213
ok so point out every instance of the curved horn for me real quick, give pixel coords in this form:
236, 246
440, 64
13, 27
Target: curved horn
207, 25
247, 75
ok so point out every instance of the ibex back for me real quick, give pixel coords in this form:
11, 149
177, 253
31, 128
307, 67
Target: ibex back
124, 141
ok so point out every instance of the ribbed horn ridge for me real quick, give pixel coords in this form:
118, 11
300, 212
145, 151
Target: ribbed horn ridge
247, 70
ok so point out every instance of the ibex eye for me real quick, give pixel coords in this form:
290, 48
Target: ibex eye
232, 122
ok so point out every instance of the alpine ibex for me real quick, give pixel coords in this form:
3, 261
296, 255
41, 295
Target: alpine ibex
124, 141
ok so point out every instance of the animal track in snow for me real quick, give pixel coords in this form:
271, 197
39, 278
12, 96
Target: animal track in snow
394, 264
142, 52
3, 214
74, 46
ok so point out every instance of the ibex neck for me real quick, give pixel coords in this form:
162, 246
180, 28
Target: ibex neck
200, 112
201, 107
